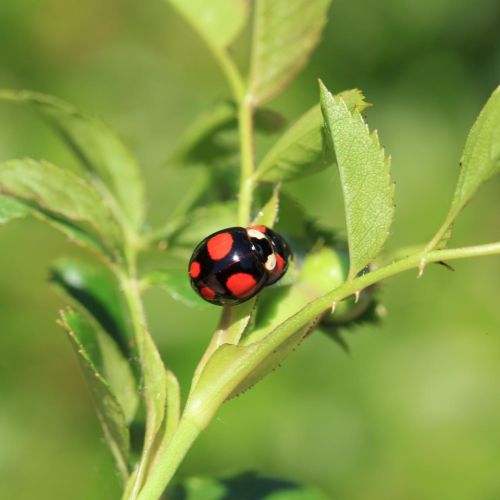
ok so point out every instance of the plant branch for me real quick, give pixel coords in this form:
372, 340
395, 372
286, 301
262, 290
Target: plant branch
200, 410
245, 119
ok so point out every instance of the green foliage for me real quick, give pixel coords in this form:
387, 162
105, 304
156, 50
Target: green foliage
67, 201
480, 161
302, 150
285, 33
97, 291
217, 22
366, 183
11, 209
246, 486
98, 148
101, 206
96, 356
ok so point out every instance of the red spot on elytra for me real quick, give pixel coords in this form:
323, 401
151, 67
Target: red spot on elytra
207, 292
194, 269
219, 246
262, 229
240, 284
280, 263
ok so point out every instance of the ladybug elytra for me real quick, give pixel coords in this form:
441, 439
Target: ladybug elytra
233, 264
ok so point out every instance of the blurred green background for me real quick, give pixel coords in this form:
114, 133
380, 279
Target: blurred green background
414, 411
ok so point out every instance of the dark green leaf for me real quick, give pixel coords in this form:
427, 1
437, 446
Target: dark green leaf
285, 34
246, 486
66, 200
217, 22
100, 150
302, 149
87, 347
11, 209
365, 178
98, 292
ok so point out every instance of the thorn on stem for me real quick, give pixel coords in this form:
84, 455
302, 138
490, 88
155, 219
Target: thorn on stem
357, 294
334, 307
421, 268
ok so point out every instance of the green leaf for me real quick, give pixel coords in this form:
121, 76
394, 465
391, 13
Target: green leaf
480, 161
176, 283
11, 209
212, 139
203, 221
206, 141
97, 146
285, 34
268, 214
88, 349
246, 486
98, 292
232, 369
365, 178
217, 22
302, 149
66, 200
322, 270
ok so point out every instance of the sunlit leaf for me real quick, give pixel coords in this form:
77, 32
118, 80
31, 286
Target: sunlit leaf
246, 486
365, 178
98, 292
90, 357
217, 22
11, 209
71, 203
302, 149
97, 146
285, 34
480, 161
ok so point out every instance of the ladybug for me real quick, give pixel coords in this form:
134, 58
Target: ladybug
234, 264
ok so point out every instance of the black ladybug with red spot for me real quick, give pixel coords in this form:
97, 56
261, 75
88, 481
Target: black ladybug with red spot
233, 264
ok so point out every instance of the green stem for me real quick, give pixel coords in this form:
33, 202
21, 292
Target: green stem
245, 119
172, 453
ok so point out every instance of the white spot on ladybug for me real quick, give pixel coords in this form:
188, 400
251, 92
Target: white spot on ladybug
270, 262
253, 233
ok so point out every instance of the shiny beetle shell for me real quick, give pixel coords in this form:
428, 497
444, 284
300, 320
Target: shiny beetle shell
234, 264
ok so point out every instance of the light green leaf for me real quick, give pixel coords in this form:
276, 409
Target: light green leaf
248, 486
217, 22
285, 34
365, 178
97, 291
268, 215
11, 209
480, 161
87, 347
176, 283
66, 200
302, 149
97, 146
